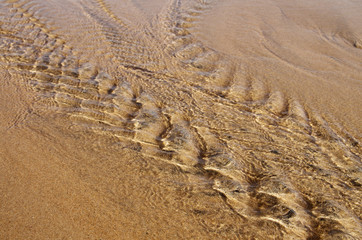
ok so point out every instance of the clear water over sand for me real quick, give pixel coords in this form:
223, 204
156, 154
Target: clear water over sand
180, 119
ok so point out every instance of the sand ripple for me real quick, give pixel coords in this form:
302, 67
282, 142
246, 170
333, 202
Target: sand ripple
144, 128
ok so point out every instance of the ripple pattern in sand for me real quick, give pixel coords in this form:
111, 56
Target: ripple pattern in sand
278, 167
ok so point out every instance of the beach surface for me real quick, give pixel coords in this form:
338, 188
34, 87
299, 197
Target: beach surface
180, 119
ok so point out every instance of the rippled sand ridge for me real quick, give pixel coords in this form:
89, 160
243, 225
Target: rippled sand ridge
180, 119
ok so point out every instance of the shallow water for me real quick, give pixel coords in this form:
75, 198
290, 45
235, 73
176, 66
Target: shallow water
180, 119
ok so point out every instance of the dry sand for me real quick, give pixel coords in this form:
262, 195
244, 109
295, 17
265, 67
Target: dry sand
180, 119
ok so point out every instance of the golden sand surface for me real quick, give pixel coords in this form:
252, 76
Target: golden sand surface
180, 119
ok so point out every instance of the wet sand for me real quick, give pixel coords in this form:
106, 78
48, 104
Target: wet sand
180, 119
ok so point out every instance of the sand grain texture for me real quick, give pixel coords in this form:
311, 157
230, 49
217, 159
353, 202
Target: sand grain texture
180, 119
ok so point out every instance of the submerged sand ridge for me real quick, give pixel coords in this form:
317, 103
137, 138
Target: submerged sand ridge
308, 49
173, 120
